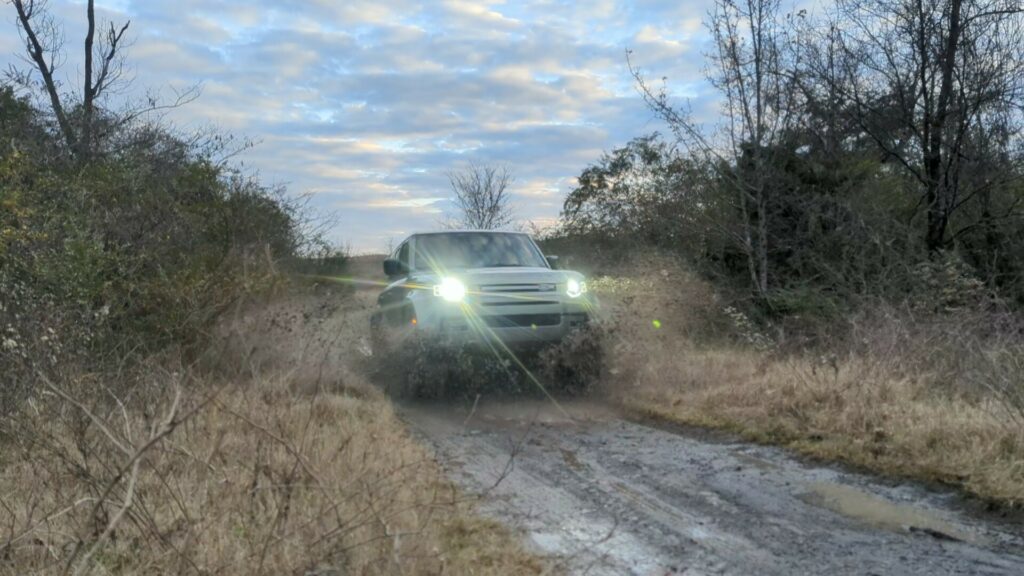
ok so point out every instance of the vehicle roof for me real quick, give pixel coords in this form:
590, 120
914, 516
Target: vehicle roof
467, 230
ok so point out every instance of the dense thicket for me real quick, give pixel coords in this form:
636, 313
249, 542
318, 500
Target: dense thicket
126, 253
872, 152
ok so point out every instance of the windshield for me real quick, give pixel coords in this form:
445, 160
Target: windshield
459, 250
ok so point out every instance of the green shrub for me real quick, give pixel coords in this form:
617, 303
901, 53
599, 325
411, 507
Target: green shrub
128, 254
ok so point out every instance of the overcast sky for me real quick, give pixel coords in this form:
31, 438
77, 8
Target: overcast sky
366, 105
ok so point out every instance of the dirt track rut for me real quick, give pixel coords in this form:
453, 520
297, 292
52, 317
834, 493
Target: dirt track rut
610, 496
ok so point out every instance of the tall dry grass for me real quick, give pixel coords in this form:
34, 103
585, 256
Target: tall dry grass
272, 457
934, 397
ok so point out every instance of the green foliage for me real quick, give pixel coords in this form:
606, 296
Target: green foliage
840, 227
134, 251
826, 184
637, 192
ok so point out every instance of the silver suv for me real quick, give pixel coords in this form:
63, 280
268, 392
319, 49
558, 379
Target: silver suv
479, 286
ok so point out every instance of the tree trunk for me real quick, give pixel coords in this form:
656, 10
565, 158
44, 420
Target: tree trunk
941, 193
762, 242
89, 90
748, 241
38, 55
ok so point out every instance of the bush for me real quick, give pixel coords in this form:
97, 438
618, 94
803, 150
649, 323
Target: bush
840, 230
124, 256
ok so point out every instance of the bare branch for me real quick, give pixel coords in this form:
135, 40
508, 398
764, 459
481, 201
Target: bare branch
482, 196
30, 18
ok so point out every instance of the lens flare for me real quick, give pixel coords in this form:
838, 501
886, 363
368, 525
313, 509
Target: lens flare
451, 289
574, 288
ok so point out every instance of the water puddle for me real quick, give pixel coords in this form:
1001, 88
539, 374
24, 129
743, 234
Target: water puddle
860, 505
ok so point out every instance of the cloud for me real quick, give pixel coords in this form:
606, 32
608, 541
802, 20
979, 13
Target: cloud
408, 203
366, 105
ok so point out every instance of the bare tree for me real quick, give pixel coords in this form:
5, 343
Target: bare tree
44, 42
104, 63
482, 196
750, 67
925, 76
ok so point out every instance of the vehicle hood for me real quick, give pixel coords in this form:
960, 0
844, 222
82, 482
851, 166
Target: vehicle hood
507, 275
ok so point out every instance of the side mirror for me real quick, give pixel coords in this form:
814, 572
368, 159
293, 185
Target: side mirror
552, 261
394, 268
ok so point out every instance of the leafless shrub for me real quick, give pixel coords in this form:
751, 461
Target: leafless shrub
928, 393
283, 460
482, 197
79, 114
972, 352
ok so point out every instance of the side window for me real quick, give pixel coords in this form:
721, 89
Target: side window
403, 254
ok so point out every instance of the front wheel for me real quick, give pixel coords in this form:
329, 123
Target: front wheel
389, 368
576, 364
378, 340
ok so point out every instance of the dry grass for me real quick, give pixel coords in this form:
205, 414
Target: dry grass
903, 402
281, 461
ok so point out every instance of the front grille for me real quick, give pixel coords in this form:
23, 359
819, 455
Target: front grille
522, 320
520, 302
514, 288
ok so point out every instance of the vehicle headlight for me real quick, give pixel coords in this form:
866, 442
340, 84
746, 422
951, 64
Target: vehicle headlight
451, 289
575, 288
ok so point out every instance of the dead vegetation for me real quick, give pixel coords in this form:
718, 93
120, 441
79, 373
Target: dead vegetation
270, 456
933, 397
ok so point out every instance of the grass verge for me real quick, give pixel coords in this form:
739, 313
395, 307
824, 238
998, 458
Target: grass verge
275, 458
895, 410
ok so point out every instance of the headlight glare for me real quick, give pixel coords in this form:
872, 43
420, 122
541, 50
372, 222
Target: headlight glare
575, 288
451, 289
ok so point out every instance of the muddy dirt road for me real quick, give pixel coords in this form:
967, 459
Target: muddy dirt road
609, 496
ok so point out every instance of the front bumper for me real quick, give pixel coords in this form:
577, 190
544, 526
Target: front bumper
512, 329
464, 323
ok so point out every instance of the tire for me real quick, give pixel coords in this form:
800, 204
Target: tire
386, 359
576, 364
429, 368
456, 371
378, 340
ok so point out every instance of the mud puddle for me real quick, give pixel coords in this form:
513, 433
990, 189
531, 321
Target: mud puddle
609, 496
859, 505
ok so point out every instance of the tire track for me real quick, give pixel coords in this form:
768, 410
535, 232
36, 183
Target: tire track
610, 496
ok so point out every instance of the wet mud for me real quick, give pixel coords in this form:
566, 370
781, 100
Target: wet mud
605, 495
